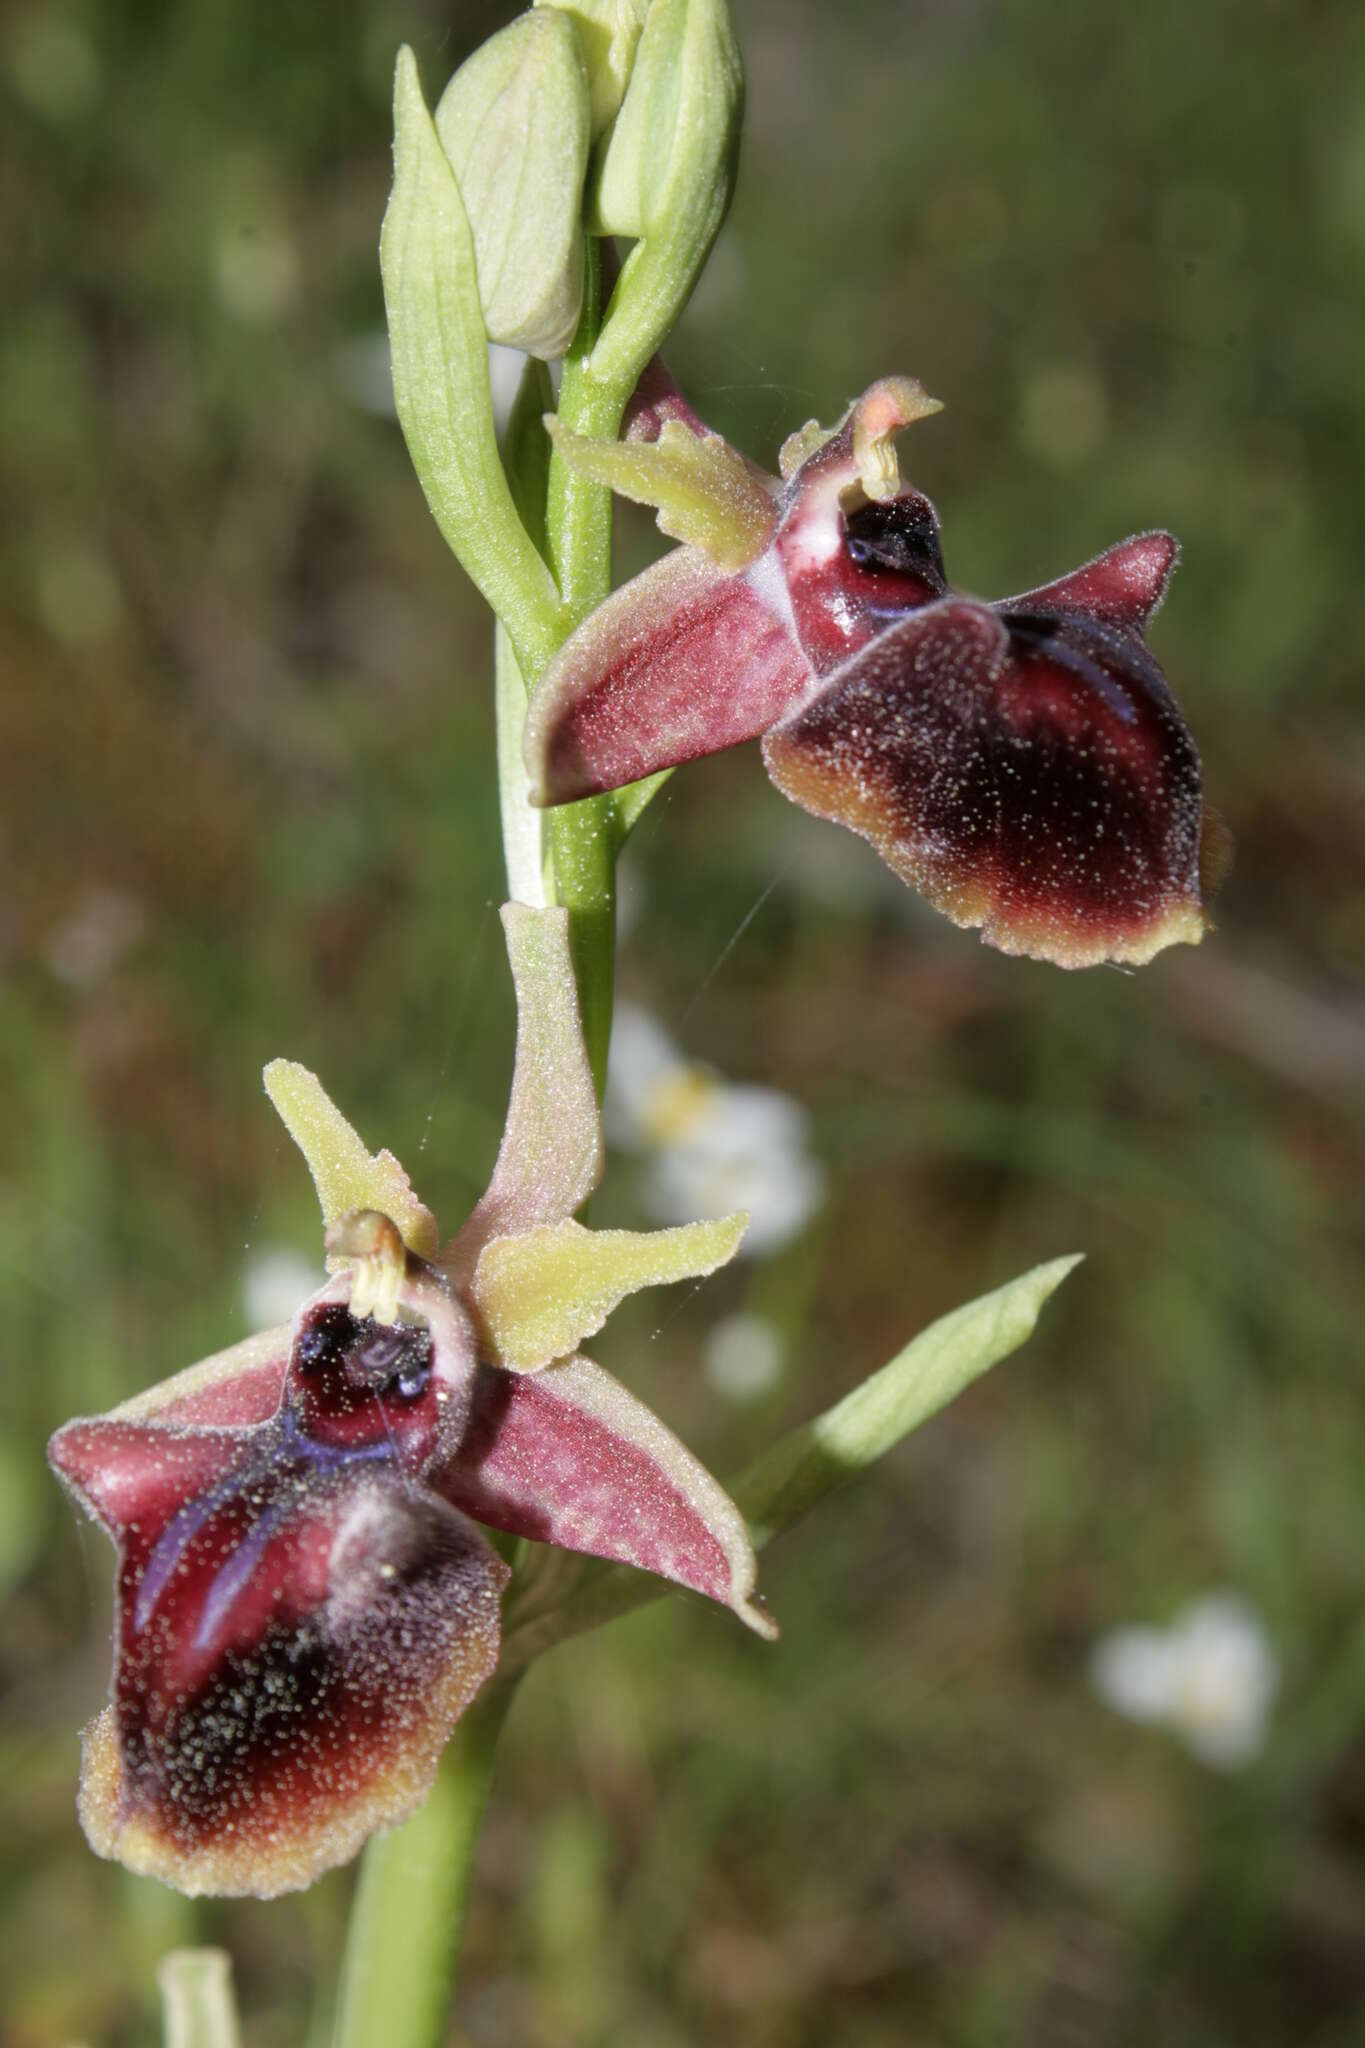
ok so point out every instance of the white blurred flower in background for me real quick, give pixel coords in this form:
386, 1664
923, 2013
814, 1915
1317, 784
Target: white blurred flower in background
85, 948
711, 1145
365, 373
276, 1281
743, 1357
1211, 1677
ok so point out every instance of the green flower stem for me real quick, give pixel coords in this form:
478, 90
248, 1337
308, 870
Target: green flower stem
197, 2003
525, 457
583, 837
523, 827
408, 1916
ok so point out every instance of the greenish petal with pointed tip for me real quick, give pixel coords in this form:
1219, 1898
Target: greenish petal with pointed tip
702, 488
345, 1173
539, 1294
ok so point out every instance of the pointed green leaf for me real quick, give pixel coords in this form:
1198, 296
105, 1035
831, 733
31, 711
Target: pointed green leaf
346, 1175
809, 1463
702, 488
440, 377
930, 1372
539, 1294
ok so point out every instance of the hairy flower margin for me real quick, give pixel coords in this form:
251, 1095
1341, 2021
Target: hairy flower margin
305, 1605
1022, 763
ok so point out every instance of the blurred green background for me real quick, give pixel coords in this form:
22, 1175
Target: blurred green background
246, 809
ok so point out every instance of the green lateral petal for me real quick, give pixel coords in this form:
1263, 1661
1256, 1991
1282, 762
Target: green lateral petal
702, 489
541, 1293
345, 1175
550, 1159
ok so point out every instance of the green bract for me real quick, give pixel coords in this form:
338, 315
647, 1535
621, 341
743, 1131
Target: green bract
438, 346
667, 174
932, 1370
514, 122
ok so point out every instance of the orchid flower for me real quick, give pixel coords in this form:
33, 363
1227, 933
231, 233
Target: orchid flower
1022, 763
305, 1604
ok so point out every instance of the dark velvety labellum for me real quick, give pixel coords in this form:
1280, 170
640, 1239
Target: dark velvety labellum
293, 1699
1032, 777
900, 537
300, 1621
306, 1659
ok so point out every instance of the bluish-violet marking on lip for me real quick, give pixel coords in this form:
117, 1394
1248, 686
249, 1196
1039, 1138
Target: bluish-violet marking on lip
231, 1578
188, 1521
332, 1456
1082, 645
172, 1543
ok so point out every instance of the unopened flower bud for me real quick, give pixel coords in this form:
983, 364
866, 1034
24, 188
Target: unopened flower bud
608, 31
674, 137
514, 123
667, 173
